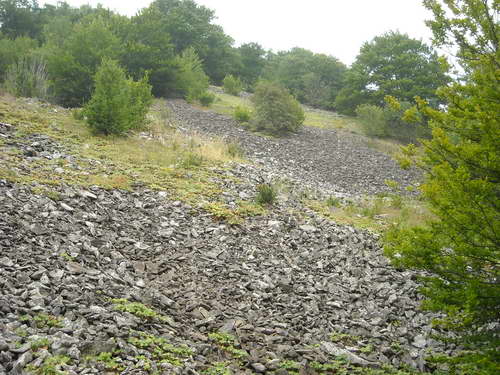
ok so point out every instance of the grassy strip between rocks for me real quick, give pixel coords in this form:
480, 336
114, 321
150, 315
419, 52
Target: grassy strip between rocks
226, 104
373, 213
160, 158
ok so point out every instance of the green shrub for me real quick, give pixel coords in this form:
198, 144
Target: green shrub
372, 119
28, 77
191, 80
118, 104
232, 85
389, 121
266, 194
276, 111
206, 99
242, 114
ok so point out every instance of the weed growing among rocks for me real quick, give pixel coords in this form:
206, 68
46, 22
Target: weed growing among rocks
266, 194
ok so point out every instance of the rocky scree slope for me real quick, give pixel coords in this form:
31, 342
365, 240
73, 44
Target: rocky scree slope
99, 281
323, 159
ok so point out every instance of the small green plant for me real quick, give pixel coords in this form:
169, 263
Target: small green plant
40, 343
118, 104
47, 321
24, 318
266, 194
242, 114
160, 348
67, 257
218, 368
333, 201
227, 342
393, 185
289, 365
344, 338
138, 309
21, 332
206, 99
367, 349
232, 85
51, 366
111, 362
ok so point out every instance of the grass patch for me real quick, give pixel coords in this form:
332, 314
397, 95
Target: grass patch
234, 215
376, 213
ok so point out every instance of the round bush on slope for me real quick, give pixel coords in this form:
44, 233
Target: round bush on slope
276, 111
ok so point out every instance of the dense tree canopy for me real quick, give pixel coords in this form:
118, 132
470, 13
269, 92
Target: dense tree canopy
461, 247
252, 60
392, 64
191, 25
20, 18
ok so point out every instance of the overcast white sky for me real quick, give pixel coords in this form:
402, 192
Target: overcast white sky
334, 27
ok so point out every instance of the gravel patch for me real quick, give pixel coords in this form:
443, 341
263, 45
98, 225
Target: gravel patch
323, 159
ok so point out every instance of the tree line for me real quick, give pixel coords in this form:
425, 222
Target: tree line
181, 48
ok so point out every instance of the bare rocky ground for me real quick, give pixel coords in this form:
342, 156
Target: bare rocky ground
324, 159
161, 287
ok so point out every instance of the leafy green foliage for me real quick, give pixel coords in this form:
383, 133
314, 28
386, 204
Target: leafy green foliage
460, 249
28, 77
118, 104
266, 194
372, 119
276, 111
160, 348
18, 18
242, 114
50, 366
190, 26
148, 48
206, 99
47, 321
252, 63
73, 64
232, 85
392, 64
228, 343
40, 343
390, 121
192, 82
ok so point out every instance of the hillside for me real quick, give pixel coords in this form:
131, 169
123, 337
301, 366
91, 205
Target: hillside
142, 256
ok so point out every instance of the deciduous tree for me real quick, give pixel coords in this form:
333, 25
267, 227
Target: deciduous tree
460, 249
